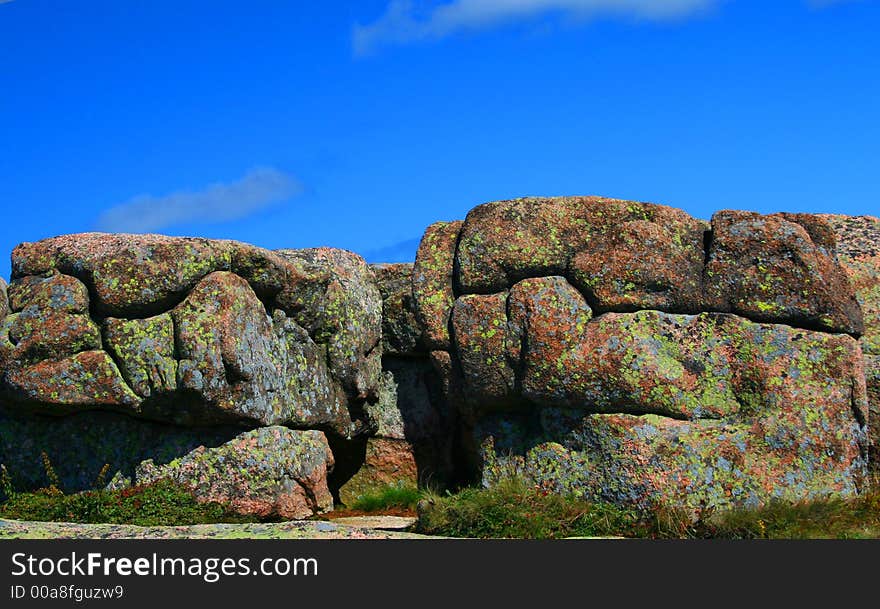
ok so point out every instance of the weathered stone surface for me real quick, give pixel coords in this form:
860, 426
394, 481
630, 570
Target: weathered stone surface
78, 446
246, 365
142, 275
401, 331
480, 336
858, 247
706, 366
266, 472
387, 461
410, 404
872, 380
290, 529
780, 268
227, 350
144, 350
649, 407
85, 381
339, 304
647, 461
432, 283
195, 331
55, 292
624, 254
653, 263
49, 320
547, 318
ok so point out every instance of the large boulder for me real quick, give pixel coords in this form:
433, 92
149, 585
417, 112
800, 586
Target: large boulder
266, 472
624, 255
191, 331
781, 268
651, 408
650, 461
593, 339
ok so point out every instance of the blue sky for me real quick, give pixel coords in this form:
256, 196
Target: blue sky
357, 124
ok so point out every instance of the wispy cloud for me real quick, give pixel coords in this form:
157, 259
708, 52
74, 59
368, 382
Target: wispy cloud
219, 202
408, 21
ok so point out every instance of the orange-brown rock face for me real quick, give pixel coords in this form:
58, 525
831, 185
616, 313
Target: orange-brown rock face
628, 352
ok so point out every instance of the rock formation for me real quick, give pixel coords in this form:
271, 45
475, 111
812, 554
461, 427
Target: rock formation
612, 349
627, 352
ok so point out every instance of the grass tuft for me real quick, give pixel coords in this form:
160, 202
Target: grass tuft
393, 496
515, 509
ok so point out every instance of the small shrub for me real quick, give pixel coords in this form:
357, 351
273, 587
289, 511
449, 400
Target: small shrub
163, 503
101, 480
51, 474
6, 486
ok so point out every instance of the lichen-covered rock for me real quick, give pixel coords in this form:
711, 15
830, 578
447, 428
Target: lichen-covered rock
547, 318
649, 408
705, 366
648, 461
191, 331
480, 336
432, 282
387, 461
780, 268
625, 255
144, 350
141, 275
246, 365
339, 304
85, 381
80, 445
872, 381
227, 349
49, 320
410, 405
858, 247
266, 472
401, 331
654, 263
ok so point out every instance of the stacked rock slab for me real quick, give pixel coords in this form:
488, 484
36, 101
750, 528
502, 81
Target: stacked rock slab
858, 246
628, 352
199, 334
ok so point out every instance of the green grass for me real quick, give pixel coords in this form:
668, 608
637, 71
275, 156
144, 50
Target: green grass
857, 518
162, 503
514, 509
399, 496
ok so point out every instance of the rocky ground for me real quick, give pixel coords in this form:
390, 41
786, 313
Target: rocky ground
302, 529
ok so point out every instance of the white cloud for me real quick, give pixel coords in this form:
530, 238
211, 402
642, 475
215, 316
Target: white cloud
407, 21
220, 202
